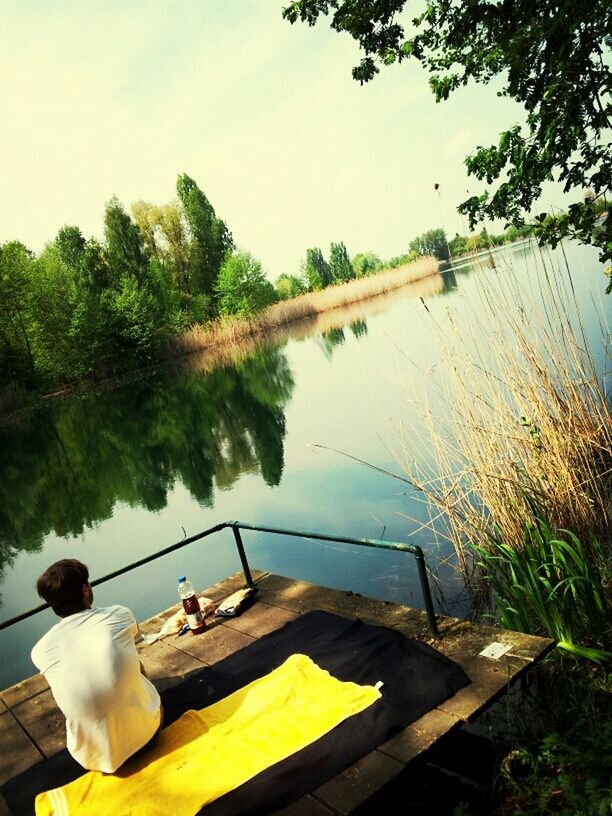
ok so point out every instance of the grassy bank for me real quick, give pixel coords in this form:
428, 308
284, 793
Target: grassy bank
525, 414
286, 312
229, 340
516, 467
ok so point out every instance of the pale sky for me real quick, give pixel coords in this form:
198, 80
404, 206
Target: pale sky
101, 98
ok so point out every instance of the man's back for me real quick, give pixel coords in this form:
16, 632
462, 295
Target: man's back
91, 664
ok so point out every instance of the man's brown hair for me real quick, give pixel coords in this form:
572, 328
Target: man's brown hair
61, 586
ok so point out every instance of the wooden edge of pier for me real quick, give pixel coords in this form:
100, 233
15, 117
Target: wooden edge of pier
32, 727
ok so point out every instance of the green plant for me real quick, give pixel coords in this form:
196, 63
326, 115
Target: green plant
552, 62
567, 772
550, 586
242, 287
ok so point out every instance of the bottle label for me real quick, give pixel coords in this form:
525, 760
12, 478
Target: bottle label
195, 620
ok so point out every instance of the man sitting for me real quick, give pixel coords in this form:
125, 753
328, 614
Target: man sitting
91, 664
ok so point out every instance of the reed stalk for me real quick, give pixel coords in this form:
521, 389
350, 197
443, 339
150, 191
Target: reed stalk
525, 414
234, 330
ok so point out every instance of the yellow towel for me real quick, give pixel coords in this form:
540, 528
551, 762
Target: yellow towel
207, 753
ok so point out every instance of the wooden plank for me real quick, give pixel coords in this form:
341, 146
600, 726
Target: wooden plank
465, 639
43, 722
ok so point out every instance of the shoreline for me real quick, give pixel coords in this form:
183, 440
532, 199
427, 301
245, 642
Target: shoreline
236, 337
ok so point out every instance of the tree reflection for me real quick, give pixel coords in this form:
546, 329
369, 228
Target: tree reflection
65, 468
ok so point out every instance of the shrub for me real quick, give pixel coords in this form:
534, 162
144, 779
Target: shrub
242, 287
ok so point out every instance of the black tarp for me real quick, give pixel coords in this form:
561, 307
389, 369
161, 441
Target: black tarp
415, 679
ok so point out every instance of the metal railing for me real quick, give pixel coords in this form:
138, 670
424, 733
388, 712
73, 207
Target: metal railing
236, 526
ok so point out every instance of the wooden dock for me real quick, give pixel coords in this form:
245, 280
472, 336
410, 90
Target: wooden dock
32, 727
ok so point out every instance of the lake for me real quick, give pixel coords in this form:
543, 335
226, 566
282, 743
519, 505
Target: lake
113, 476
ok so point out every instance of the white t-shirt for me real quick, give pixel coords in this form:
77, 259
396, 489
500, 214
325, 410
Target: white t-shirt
90, 661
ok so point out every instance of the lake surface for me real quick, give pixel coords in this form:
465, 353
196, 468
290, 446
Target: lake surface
111, 477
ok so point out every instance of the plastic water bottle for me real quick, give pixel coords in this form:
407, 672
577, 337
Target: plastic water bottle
191, 605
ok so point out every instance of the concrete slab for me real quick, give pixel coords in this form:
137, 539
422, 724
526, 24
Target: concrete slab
43, 722
420, 736
18, 751
261, 619
358, 783
31, 725
217, 642
306, 806
23, 691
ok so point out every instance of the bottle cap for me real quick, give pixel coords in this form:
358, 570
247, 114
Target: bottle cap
181, 579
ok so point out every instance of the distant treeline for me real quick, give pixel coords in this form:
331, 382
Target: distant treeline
85, 309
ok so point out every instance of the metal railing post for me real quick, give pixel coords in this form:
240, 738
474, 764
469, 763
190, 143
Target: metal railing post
236, 527
429, 608
243, 559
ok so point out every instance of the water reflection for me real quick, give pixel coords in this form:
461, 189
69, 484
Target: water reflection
201, 422
64, 469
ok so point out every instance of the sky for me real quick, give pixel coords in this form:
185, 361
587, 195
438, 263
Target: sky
102, 98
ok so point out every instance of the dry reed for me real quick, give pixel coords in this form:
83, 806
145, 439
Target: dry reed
236, 330
524, 413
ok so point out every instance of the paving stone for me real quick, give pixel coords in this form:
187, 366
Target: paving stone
466, 640
306, 806
29, 687
260, 619
167, 665
18, 752
222, 589
420, 735
4, 808
489, 680
358, 782
301, 596
214, 644
297, 596
44, 723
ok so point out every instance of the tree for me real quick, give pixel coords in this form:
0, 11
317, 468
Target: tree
552, 59
289, 286
16, 354
366, 263
211, 239
316, 270
433, 242
124, 245
70, 246
242, 288
340, 263
164, 231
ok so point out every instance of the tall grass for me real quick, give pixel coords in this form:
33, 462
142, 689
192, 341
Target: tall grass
525, 419
551, 586
230, 347
303, 307
525, 414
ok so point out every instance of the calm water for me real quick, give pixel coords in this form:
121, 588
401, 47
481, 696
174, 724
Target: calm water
112, 477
